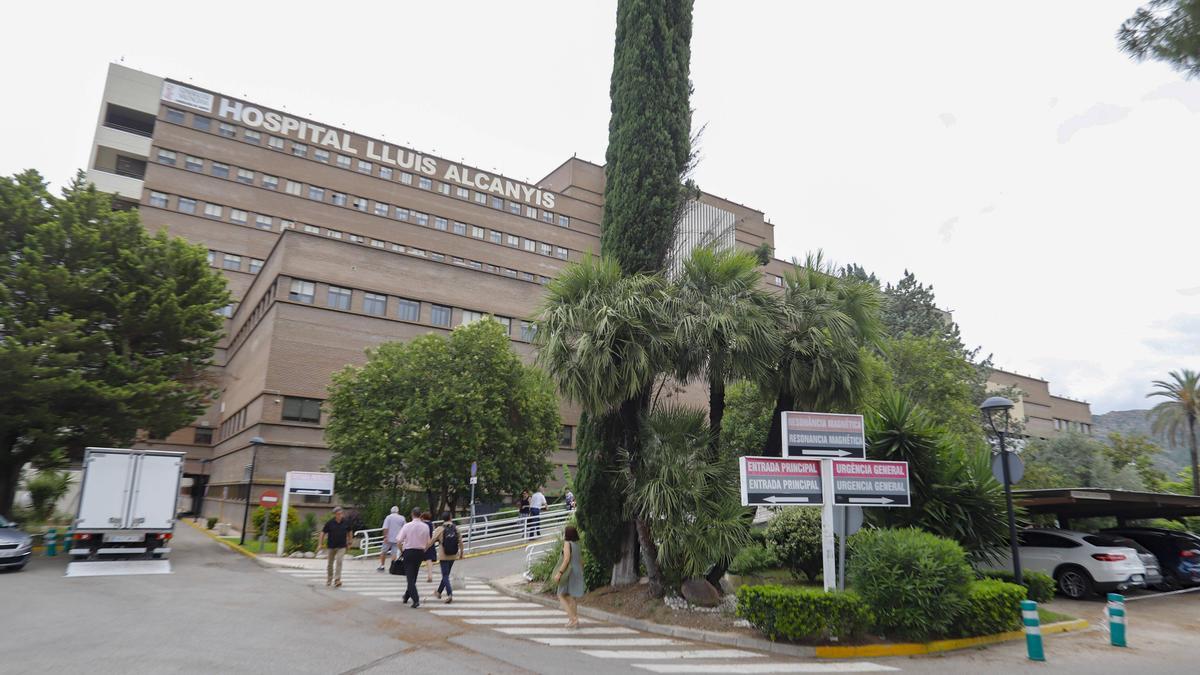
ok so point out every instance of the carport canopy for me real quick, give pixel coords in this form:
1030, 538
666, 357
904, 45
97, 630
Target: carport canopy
1067, 504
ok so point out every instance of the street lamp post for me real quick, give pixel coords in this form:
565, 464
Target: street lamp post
993, 408
254, 443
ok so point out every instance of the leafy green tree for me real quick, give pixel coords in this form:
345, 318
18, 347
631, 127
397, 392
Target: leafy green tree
104, 328
747, 418
726, 325
1177, 415
1137, 451
1165, 30
911, 309
425, 409
932, 372
649, 134
1075, 460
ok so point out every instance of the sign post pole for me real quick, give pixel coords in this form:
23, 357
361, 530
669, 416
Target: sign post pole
828, 565
471, 530
841, 577
283, 510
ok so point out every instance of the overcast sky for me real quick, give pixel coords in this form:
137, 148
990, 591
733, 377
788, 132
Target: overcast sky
1007, 153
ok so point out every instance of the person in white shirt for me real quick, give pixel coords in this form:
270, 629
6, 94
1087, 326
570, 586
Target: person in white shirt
536, 503
391, 530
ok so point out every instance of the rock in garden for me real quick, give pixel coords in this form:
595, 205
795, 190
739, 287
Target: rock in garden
310, 554
296, 554
701, 593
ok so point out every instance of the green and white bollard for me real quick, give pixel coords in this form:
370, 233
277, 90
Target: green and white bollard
1033, 630
51, 541
1116, 619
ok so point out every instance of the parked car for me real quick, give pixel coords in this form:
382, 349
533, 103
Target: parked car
1154, 576
1080, 563
1178, 553
15, 546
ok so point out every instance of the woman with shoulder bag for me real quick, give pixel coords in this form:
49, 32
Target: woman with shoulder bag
569, 576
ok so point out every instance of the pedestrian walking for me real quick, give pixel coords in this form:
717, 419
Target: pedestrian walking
569, 498
430, 553
335, 538
523, 513
413, 542
569, 576
449, 549
391, 529
537, 504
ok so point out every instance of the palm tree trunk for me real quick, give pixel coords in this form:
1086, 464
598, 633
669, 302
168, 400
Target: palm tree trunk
650, 558
716, 412
1191, 418
625, 571
774, 444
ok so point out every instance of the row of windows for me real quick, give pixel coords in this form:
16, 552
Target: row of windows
1068, 425
233, 424
231, 262
363, 166
376, 304
297, 409
361, 204
266, 222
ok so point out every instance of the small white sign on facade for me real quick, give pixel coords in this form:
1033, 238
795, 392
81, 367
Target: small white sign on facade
186, 96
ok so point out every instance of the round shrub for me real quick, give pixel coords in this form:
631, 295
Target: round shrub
805, 614
992, 607
753, 558
1039, 587
914, 582
795, 536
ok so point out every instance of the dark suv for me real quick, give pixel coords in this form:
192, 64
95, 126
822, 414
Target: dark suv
1178, 552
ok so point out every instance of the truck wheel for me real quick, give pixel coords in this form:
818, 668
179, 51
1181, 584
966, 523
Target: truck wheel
1075, 583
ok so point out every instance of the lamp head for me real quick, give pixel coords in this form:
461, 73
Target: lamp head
995, 411
257, 440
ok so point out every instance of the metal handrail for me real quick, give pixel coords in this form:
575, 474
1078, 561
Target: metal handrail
487, 532
534, 553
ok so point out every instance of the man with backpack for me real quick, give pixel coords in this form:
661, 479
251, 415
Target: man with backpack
449, 549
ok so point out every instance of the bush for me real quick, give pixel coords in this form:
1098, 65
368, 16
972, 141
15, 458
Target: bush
45, 489
795, 536
543, 569
300, 536
272, 520
992, 606
595, 574
914, 582
1039, 587
753, 558
803, 613
212, 522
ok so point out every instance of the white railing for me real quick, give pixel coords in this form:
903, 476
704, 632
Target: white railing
487, 532
534, 553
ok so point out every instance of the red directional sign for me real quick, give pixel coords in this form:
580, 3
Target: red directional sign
860, 482
268, 499
780, 481
825, 435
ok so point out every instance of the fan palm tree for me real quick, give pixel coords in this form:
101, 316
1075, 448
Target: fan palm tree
1177, 415
726, 325
827, 321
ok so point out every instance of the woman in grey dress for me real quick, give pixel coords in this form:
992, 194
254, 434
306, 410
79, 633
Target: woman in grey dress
569, 575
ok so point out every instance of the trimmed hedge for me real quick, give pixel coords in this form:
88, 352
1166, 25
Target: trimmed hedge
992, 606
1039, 587
804, 614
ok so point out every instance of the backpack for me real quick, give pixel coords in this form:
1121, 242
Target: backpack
450, 540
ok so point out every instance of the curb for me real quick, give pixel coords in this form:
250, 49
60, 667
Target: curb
230, 544
918, 648
695, 634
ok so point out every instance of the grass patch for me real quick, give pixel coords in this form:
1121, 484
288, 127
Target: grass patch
1046, 616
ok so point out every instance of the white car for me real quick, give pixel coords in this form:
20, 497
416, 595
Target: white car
1080, 563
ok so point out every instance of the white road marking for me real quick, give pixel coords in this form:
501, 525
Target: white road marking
117, 568
607, 642
495, 605
523, 621
480, 613
594, 630
635, 654
850, 667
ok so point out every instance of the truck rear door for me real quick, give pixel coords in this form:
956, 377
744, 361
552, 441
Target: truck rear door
108, 478
155, 492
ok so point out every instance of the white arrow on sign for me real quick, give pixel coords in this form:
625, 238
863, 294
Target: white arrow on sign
829, 453
786, 500
869, 500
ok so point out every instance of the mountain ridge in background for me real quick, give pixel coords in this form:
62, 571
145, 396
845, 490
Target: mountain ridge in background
1131, 422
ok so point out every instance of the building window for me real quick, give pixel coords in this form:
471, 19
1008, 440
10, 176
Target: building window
238, 216
514, 207
357, 238
481, 198
302, 291
321, 155
417, 251
385, 172
360, 204
226, 130
409, 310
201, 122
376, 304
397, 248
299, 149
292, 188
296, 409
560, 253
285, 224
262, 222
494, 236
275, 142
504, 321
158, 199
439, 316
316, 194
166, 157
512, 240
444, 188
460, 228
193, 163
439, 223
232, 262
477, 232
364, 166
543, 248
212, 210
255, 265
245, 176
530, 212
547, 216
343, 161
525, 276
339, 298
252, 136
475, 264
497, 203
381, 209
401, 214
375, 243
457, 260
226, 311
564, 221
333, 234
530, 245
508, 273
470, 317
270, 182
203, 436
424, 183
186, 205
337, 198
312, 229
528, 329
406, 178
437, 257
462, 192
420, 218
566, 436
212, 255
174, 116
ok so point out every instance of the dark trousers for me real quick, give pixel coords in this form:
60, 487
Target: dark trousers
535, 522
445, 585
413, 557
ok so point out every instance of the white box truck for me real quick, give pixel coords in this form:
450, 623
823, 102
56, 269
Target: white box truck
127, 503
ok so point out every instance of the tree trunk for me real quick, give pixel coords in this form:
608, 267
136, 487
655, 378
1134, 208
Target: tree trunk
716, 412
10, 473
650, 558
774, 444
1191, 418
625, 572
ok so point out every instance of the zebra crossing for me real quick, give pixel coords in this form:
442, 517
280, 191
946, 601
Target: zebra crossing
477, 604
